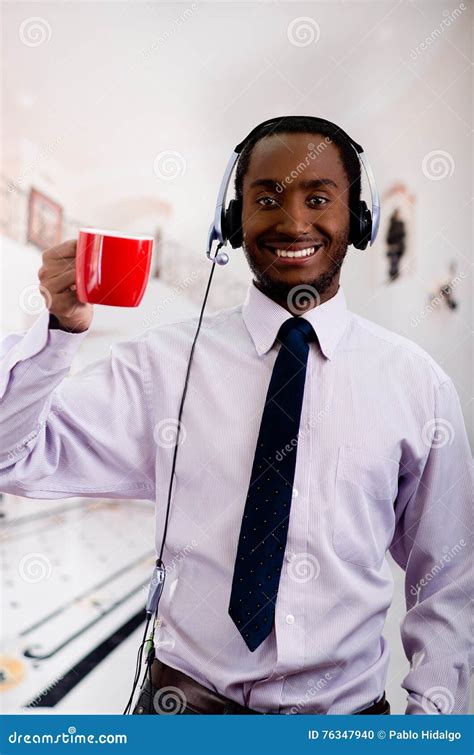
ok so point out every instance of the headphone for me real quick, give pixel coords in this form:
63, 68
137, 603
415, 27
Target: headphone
227, 223
227, 226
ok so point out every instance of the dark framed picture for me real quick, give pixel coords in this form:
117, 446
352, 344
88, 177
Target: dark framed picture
45, 220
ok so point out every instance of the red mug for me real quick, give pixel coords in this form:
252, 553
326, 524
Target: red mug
112, 267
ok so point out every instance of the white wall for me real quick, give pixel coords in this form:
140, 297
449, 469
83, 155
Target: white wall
152, 82
193, 78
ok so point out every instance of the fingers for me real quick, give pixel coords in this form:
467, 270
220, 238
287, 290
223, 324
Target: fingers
56, 261
59, 283
55, 268
63, 251
67, 299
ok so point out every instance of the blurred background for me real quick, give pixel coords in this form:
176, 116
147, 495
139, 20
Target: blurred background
123, 116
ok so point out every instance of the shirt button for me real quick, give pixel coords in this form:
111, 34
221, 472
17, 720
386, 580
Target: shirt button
294, 493
290, 619
289, 557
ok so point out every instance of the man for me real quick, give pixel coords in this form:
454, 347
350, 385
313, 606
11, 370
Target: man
309, 446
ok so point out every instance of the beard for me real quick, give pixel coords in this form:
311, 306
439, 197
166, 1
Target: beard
279, 290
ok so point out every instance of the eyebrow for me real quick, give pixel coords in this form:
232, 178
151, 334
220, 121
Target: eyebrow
314, 183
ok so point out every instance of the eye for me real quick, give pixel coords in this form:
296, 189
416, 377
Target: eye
263, 200
268, 201
322, 200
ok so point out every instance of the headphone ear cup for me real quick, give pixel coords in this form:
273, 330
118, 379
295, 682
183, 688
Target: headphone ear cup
232, 223
360, 226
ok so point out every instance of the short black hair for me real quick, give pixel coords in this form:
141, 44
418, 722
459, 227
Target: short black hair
299, 124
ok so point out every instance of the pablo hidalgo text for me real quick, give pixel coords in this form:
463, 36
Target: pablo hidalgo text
449, 736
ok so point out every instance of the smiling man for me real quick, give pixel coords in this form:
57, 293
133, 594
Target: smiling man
313, 441
296, 231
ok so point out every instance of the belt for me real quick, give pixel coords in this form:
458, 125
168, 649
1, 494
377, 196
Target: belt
175, 692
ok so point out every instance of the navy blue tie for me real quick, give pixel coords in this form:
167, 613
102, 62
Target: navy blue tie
266, 516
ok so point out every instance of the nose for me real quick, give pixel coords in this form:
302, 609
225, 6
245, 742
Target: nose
294, 219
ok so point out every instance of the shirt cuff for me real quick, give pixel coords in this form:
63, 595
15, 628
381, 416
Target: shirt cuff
54, 349
415, 706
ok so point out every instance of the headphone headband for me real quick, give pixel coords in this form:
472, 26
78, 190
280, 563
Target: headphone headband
368, 221
315, 119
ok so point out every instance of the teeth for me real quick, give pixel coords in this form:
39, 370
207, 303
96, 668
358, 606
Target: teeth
301, 253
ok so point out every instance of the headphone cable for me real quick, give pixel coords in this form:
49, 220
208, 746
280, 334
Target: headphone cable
151, 648
180, 412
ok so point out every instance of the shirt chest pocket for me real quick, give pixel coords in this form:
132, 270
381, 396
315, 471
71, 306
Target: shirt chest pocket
365, 490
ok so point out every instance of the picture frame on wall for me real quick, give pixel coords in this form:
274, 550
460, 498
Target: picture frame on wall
45, 220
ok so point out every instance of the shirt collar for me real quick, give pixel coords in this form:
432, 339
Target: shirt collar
263, 318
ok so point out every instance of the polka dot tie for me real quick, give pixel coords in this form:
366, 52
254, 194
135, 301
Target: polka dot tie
264, 528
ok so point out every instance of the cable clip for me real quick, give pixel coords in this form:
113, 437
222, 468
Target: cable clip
156, 587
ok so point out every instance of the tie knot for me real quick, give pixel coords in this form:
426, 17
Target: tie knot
296, 325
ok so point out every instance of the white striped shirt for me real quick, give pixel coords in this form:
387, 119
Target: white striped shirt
383, 462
